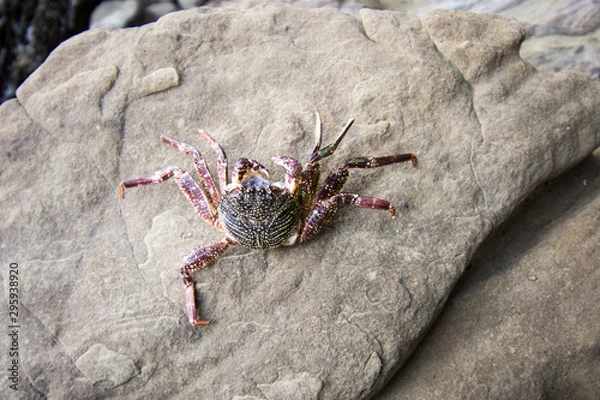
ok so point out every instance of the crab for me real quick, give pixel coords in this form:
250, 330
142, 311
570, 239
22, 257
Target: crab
253, 211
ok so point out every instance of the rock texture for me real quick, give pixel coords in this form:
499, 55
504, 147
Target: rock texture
102, 307
29, 31
524, 322
561, 35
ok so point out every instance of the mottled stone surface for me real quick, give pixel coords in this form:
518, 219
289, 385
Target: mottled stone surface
330, 319
524, 321
561, 34
115, 13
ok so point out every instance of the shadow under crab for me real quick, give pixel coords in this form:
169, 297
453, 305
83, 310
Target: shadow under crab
254, 212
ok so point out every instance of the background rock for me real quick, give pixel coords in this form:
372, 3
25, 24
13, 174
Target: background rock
115, 13
29, 31
561, 35
332, 318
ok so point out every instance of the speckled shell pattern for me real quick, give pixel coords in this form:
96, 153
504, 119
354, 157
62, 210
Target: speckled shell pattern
259, 215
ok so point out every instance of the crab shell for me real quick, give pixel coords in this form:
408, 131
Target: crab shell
256, 212
259, 214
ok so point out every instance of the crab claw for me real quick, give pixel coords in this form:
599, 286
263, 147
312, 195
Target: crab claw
245, 168
293, 172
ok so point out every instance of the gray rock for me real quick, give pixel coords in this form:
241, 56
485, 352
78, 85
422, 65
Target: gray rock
114, 13
102, 366
30, 31
329, 319
157, 10
190, 3
524, 322
561, 35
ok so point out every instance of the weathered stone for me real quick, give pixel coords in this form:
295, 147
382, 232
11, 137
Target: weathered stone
157, 10
30, 31
190, 3
115, 13
524, 322
560, 36
103, 366
329, 319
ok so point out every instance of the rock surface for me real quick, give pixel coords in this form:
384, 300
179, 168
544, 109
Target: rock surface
524, 322
115, 13
330, 319
561, 35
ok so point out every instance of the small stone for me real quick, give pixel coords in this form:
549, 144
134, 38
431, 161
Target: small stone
157, 10
104, 366
185, 4
158, 81
114, 13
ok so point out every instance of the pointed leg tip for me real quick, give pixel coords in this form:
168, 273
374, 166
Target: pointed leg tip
414, 160
206, 136
169, 141
392, 211
199, 323
122, 190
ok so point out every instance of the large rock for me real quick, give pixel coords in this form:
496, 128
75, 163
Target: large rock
524, 322
102, 307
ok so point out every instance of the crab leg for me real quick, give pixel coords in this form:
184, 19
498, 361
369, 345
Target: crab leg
327, 208
186, 184
200, 257
364, 202
318, 153
337, 178
312, 170
207, 182
221, 158
328, 196
145, 180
